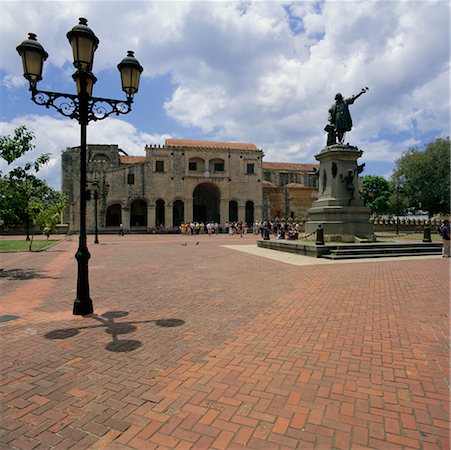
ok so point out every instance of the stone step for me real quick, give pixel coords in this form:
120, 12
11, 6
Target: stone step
389, 250
350, 250
336, 256
383, 245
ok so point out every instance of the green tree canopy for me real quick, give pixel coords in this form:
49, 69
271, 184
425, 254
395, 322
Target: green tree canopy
20, 184
375, 193
426, 176
14, 147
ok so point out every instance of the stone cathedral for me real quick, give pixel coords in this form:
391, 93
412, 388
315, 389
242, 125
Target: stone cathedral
185, 181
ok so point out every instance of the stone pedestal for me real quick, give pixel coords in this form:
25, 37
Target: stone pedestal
339, 208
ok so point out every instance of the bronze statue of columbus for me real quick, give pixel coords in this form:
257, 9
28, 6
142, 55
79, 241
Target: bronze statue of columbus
340, 120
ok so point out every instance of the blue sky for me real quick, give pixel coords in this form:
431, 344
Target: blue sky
258, 72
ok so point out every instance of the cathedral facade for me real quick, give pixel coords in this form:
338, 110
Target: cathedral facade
184, 181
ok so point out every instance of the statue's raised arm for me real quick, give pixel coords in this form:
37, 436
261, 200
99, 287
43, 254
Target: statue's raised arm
356, 96
340, 120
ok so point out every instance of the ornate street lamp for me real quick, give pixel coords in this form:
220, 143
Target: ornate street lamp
94, 186
84, 108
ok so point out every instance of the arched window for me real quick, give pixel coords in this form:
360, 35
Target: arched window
138, 214
233, 211
217, 165
159, 213
100, 157
114, 215
196, 165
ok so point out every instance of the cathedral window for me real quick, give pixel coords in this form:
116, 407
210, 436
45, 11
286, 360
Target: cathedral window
192, 165
250, 169
219, 167
283, 179
159, 166
131, 178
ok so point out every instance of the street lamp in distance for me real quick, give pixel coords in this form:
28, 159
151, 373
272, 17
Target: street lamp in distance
84, 108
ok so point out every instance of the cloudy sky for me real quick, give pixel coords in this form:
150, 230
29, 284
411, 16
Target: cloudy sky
264, 72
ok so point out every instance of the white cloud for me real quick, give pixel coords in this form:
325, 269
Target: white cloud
55, 135
263, 72
13, 81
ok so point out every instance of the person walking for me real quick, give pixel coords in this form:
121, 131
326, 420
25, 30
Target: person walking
445, 232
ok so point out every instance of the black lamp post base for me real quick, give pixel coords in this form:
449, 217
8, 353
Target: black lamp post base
83, 308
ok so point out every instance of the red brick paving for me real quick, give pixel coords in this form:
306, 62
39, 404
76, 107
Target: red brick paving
260, 354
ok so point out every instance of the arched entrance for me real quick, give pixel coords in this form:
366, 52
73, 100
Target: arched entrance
113, 215
233, 211
138, 213
159, 213
206, 198
249, 212
178, 213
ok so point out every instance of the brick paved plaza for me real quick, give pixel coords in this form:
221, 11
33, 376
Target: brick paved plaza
209, 347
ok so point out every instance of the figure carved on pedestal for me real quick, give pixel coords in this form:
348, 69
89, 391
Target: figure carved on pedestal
349, 183
349, 180
334, 169
340, 120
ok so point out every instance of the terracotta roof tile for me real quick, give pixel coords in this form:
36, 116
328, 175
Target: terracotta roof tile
295, 185
131, 159
289, 166
269, 184
210, 144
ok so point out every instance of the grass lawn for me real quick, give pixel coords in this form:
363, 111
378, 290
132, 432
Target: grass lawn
23, 245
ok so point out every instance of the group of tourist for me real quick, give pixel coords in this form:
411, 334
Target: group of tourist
280, 230
232, 228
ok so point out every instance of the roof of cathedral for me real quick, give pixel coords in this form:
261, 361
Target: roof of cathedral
131, 159
289, 166
294, 185
209, 144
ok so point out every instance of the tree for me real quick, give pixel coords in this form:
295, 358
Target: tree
20, 184
12, 148
375, 193
426, 176
398, 202
46, 213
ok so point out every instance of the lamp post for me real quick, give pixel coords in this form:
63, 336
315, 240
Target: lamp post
84, 108
399, 189
96, 228
95, 187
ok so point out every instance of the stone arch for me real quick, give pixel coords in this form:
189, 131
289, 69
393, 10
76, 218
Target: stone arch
138, 213
206, 200
160, 213
233, 211
249, 212
114, 215
178, 213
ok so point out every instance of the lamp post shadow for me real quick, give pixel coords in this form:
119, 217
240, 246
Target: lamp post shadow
115, 329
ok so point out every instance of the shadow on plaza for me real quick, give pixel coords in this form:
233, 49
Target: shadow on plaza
23, 274
115, 329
